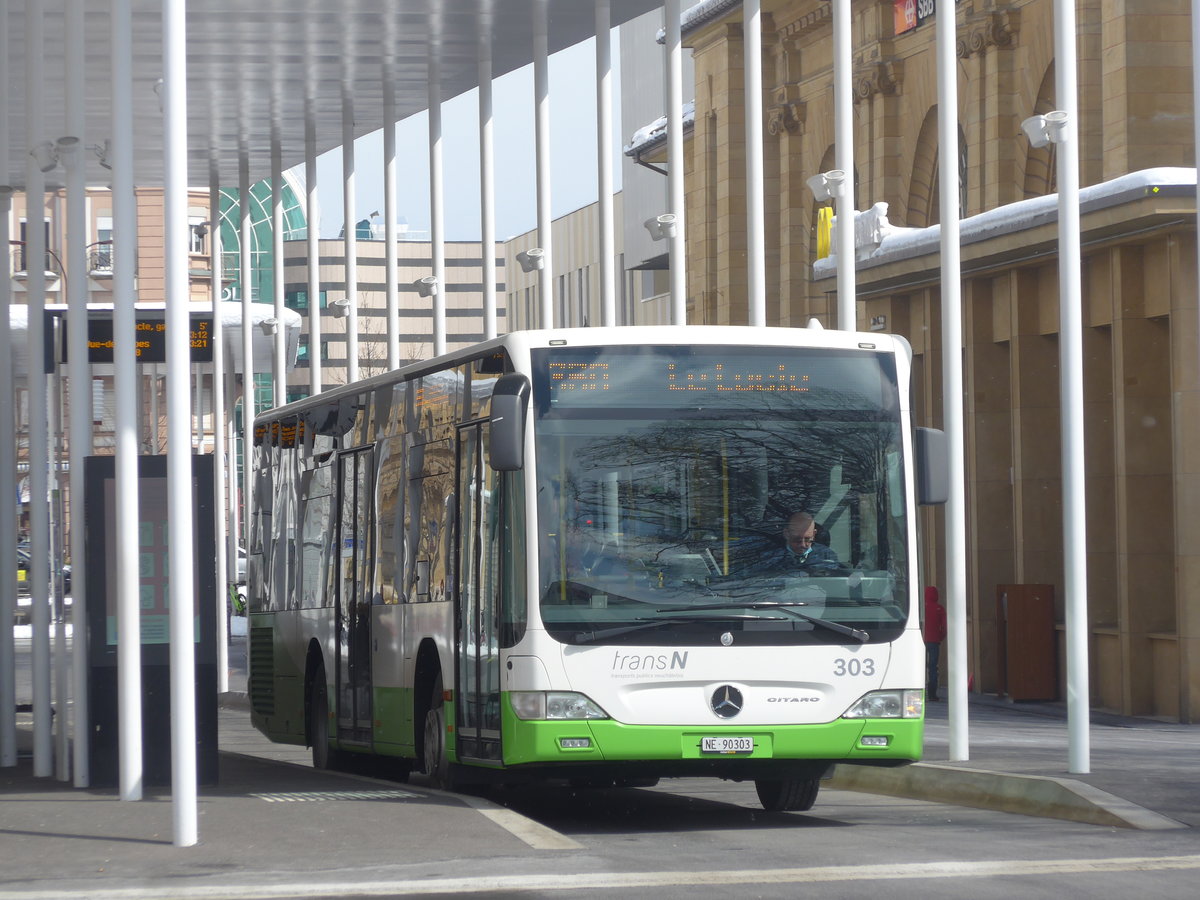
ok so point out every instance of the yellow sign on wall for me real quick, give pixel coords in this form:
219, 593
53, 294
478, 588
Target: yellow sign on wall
824, 230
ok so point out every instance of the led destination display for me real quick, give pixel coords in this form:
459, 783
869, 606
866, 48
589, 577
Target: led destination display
578, 378
567, 377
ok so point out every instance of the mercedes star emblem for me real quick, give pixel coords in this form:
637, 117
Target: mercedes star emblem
727, 701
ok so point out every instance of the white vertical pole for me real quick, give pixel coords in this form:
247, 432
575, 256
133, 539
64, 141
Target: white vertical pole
756, 259
39, 451
181, 556
8, 461
843, 139
279, 377
153, 429
1070, 349
1195, 141
604, 166
62, 671
1195, 103
437, 223
487, 187
246, 276
675, 165
541, 128
125, 390
313, 235
952, 377
349, 236
80, 382
197, 401
391, 264
220, 509
231, 442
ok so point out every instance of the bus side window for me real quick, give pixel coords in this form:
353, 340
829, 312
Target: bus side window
389, 521
513, 610
421, 587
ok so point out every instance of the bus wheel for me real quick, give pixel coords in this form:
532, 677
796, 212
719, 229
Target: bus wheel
437, 765
318, 721
787, 794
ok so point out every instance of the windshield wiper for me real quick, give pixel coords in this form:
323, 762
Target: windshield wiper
788, 606
587, 637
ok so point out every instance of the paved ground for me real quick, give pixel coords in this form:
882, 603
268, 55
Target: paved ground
1142, 771
265, 806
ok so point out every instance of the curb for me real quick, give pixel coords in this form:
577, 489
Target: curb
1029, 795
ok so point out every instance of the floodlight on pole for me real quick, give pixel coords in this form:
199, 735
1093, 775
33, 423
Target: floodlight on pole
1050, 128
341, 308
532, 260
827, 185
102, 152
661, 227
65, 147
45, 155
269, 326
427, 286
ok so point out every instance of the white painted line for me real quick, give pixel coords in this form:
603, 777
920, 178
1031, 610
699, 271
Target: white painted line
595, 881
321, 796
535, 834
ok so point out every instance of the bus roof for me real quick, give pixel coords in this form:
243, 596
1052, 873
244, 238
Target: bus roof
519, 343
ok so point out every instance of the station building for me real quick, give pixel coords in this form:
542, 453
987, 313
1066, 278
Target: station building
1139, 266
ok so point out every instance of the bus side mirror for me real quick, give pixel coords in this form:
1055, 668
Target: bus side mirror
932, 466
506, 442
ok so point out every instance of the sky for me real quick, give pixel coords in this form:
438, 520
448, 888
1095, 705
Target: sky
572, 151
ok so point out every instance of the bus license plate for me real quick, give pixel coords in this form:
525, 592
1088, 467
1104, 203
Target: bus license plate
727, 745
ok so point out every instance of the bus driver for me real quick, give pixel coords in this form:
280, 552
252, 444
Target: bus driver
800, 552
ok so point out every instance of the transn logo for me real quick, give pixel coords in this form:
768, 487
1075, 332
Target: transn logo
650, 662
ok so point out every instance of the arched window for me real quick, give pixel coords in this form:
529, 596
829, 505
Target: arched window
924, 190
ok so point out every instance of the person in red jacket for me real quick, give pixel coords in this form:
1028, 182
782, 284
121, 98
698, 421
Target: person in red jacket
935, 633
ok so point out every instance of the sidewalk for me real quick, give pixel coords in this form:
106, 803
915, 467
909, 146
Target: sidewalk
1143, 773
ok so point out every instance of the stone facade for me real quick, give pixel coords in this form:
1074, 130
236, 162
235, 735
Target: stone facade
1142, 390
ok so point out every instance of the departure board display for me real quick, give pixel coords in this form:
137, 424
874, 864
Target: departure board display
150, 338
570, 378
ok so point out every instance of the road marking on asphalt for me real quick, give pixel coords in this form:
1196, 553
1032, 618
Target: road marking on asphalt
595, 881
320, 796
533, 833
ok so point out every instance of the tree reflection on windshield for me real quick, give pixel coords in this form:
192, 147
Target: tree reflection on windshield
652, 512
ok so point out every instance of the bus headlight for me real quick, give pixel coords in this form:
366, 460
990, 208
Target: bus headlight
554, 705
888, 705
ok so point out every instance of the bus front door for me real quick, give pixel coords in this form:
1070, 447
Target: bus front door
478, 609
354, 597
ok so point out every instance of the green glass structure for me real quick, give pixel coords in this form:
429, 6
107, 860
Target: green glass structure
262, 261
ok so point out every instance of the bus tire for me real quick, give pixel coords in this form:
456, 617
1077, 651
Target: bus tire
787, 794
437, 763
318, 721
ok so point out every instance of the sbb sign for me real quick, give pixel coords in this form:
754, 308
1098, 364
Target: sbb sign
908, 14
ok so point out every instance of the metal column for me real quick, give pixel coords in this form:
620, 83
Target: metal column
952, 378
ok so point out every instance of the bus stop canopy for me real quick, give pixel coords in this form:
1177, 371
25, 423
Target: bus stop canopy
265, 70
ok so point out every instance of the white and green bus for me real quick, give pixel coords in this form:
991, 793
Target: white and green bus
557, 555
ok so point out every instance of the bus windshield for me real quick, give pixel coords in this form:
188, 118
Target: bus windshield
695, 495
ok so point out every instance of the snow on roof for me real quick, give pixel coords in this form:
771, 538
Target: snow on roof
700, 13
656, 132
900, 243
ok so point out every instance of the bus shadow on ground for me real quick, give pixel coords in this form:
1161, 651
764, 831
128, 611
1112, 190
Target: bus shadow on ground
633, 810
